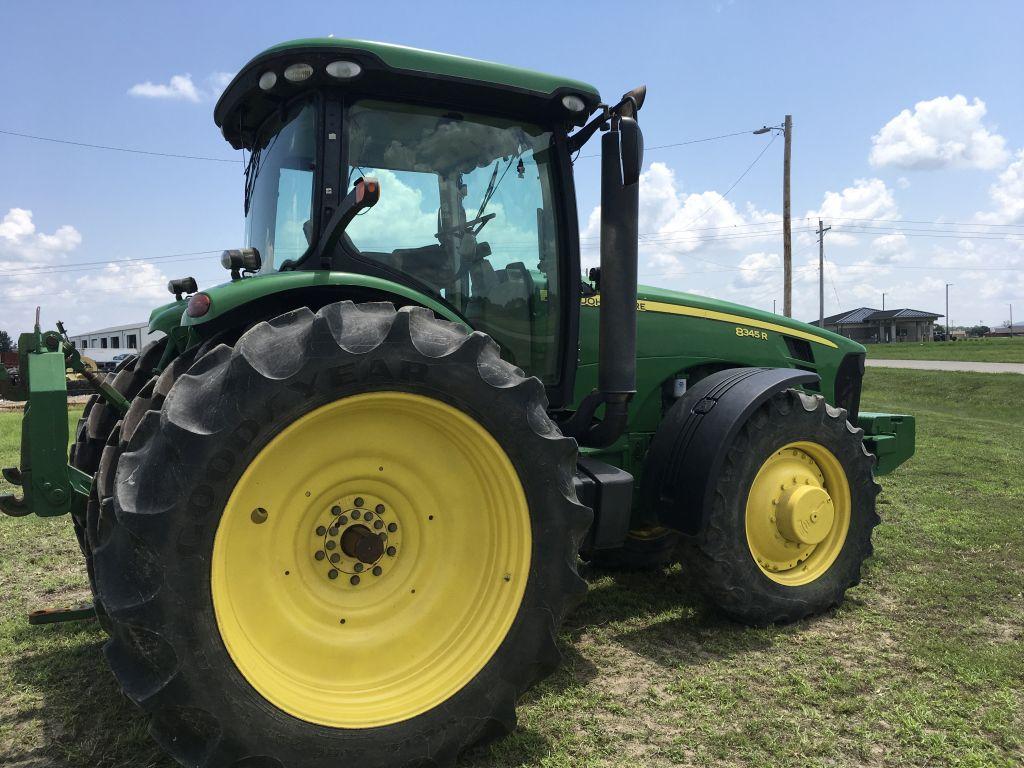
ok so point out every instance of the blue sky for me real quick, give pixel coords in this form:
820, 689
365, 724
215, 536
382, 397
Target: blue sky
904, 112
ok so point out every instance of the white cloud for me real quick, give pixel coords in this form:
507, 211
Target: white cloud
180, 87
20, 243
32, 273
141, 280
183, 88
903, 182
866, 199
1007, 195
940, 133
674, 223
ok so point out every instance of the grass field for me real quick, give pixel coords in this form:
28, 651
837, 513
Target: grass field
975, 350
922, 666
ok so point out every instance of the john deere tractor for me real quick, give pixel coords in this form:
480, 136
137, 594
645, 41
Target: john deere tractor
334, 515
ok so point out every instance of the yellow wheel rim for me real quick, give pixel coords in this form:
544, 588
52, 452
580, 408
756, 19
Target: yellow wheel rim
798, 513
371, 560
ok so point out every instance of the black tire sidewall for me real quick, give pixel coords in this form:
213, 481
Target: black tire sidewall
766, 433
211, 468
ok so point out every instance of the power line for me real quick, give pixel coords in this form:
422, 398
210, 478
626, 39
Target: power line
686, 143
90, 265
120, 149
724, 196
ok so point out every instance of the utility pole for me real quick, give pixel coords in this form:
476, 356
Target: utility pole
883, 302
947, 310
787, 240
821, 273
775, 313
1011, 321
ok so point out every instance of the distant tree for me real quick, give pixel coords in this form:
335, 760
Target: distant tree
6, 345
978, 330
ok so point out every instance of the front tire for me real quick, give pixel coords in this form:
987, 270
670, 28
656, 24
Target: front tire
257, 624
792, 516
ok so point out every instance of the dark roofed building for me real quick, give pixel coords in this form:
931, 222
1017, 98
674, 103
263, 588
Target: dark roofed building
869, 326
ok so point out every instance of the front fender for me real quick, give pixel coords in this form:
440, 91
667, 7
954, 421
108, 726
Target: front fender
690, 445
228, 297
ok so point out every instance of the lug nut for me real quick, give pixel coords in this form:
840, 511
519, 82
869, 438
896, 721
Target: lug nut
379, 509
342, 520
392, 527
377, 570
333, 574
335, 557
335, 510
359, 567
319, 554
320, 530
354, 580
355, 514
391, 551
330, 544
368, 516
377, 524
359, 501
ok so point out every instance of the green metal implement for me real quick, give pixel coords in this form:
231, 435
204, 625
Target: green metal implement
50, 486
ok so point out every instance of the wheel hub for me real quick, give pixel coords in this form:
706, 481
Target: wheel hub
798, 513
356, 536
805, 514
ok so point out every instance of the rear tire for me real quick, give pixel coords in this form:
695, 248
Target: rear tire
95, 427
160, 557
800, 436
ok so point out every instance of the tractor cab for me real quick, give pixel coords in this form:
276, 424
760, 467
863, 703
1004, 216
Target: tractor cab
473, 175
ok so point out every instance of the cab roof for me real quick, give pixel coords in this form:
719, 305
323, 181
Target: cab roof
396, 71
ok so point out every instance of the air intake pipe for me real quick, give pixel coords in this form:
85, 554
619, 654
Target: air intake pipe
622, 150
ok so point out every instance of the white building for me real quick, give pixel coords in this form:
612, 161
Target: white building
103, 344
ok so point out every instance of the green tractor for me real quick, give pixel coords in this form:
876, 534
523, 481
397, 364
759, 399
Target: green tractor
335, 513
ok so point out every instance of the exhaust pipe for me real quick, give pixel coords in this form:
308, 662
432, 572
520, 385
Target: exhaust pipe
621, 159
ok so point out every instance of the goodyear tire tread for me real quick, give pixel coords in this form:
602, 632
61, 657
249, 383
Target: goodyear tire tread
174, 468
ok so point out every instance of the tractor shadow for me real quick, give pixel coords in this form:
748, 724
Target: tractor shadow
77, 716
662, 616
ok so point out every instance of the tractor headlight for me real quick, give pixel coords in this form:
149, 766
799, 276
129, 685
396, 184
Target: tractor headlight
573, 103
296, 73
344, 70
268, 80
238, 259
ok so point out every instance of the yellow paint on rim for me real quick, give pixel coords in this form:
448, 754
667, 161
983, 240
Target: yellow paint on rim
798, 513
643, 305
359, 650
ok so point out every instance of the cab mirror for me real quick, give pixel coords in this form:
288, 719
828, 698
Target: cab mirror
631, 148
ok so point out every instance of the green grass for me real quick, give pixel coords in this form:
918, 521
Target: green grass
922, 666
974, 350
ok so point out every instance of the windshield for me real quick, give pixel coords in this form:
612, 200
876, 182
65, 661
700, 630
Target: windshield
279, 187
467, 209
